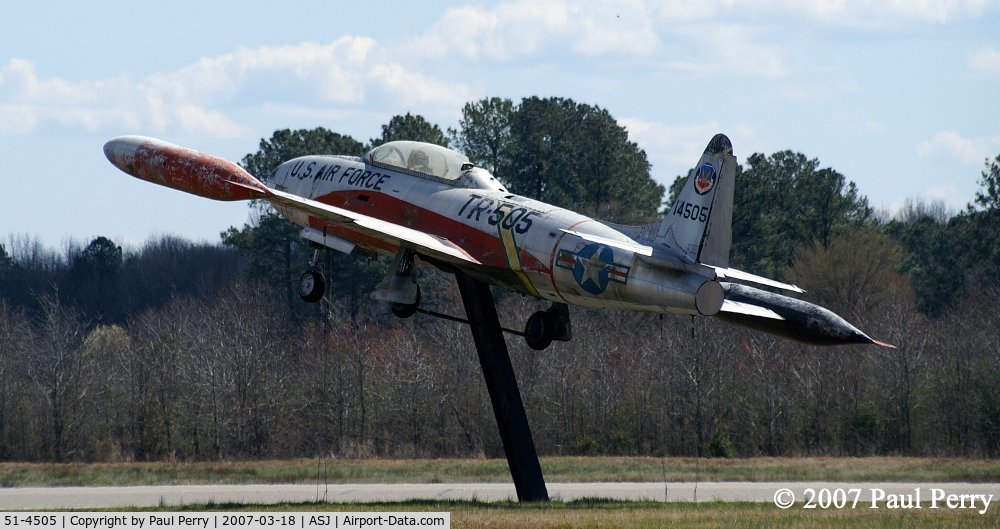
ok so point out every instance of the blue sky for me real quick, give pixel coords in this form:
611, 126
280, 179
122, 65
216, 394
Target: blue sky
903, 96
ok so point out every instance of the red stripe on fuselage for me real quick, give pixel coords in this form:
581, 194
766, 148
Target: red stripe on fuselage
484, 247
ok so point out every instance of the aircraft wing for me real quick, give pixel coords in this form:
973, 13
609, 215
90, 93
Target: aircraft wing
422, 243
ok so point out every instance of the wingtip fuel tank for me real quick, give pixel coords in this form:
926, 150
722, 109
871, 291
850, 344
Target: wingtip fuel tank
188, 170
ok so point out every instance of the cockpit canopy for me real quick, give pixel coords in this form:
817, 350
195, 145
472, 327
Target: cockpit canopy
423, 158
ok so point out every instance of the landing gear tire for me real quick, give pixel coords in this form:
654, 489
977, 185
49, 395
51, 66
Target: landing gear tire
405, 310
312, 285
539, 330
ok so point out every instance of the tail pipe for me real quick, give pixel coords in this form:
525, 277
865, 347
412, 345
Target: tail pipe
801, 320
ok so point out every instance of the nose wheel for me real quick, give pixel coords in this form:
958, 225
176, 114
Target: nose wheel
312, 285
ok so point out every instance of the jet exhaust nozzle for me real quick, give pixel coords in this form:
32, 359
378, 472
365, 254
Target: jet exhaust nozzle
184, 169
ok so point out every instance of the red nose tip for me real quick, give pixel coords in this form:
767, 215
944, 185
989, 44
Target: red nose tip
184, 169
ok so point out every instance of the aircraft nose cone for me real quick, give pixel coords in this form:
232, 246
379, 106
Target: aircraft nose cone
120, 151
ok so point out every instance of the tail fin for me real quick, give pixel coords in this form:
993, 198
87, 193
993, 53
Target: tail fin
699, 225
698, 229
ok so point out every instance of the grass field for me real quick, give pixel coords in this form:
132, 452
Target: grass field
556, 469
592, 514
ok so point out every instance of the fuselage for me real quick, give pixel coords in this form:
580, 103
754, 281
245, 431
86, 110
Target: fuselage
522, 244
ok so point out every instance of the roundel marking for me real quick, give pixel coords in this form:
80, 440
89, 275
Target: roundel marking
590, 269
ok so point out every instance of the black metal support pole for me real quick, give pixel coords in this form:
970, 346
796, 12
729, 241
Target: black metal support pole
504, 393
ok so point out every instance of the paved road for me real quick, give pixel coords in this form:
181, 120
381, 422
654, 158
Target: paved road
39, 498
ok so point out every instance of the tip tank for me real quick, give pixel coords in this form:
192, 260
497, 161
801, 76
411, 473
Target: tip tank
184, 169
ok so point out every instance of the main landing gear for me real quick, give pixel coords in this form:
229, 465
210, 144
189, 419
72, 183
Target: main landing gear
547, 325
405, 310
403, 295
312, 284
399, 288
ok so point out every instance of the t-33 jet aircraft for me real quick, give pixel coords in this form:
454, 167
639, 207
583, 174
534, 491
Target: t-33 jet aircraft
416, 201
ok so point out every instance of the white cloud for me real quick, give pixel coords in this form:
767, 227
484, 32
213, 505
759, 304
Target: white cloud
623, 27
855, 13
412, 88
209, 122
673, 149
677, 144
196, 98
939, 11
986, 60
503, 32
17, 119
728, 50
520, 28
965, 150
301, 112
26, 100
706, 37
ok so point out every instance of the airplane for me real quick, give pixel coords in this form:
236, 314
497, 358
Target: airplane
416, 201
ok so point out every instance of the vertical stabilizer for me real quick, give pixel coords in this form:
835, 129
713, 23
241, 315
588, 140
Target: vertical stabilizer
699, 224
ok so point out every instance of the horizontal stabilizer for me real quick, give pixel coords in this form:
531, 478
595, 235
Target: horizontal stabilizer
736, 307
739, 275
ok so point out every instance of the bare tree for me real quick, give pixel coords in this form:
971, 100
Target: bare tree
58, 367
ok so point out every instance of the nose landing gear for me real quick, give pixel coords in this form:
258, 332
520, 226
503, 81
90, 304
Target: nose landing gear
312, 284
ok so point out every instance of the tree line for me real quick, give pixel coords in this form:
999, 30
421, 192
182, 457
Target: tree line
177, 350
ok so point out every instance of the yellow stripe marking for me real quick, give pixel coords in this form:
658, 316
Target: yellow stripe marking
514, 257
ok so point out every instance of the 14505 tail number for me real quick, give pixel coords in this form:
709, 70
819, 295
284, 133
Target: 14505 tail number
687, 210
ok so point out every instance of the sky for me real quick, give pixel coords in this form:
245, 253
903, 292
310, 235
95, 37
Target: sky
901, 96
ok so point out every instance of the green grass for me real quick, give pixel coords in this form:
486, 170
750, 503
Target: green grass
601, 513
556, 469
